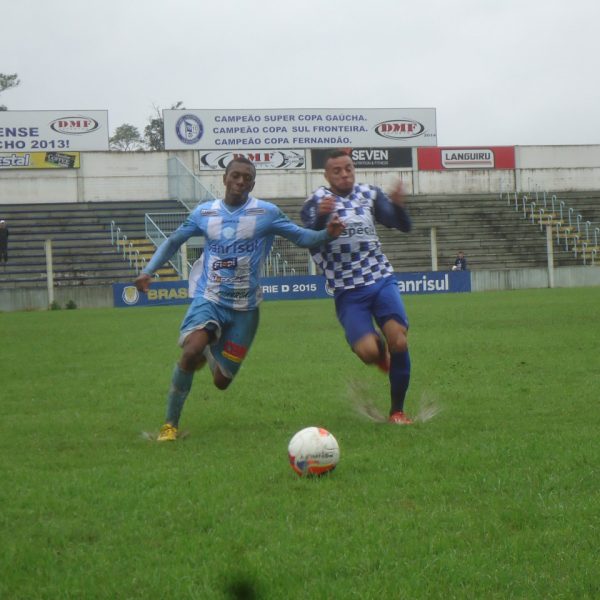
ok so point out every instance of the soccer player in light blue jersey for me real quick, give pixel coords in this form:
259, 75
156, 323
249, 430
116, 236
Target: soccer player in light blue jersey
359, 273
221, 321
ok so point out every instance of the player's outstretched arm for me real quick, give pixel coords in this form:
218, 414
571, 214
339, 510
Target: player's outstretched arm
326, 206
390, 210
397, 193
305, 237
164, 252
335, 226
316, 211
142, 282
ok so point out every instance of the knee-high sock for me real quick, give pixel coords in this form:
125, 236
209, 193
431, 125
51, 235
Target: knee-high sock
399, 379
181, 384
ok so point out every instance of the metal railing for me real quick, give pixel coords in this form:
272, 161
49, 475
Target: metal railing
122, 245
285, 258
570, 227
184, 186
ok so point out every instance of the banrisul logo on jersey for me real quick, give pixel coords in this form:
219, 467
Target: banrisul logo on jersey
399, 129
189, 129
241, 247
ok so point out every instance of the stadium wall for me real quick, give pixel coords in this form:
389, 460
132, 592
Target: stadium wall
481, 281
130, 176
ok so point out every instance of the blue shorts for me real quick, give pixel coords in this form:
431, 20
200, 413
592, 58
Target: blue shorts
356, 308
233, 330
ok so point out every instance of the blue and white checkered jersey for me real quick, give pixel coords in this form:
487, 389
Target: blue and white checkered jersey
355, 259
237, 241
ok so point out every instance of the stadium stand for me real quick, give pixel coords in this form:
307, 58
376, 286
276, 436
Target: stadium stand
81, 241
491, 233
489, 230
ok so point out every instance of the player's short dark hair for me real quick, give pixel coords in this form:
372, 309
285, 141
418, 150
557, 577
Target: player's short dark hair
243, 160
336, 153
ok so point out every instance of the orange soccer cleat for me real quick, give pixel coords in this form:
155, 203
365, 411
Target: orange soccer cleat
399, 418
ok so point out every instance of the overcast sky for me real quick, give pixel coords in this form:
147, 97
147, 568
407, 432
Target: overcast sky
498, 72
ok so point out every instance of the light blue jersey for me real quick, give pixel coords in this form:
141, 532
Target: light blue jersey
238, 240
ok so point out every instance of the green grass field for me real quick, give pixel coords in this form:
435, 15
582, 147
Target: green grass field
498, 496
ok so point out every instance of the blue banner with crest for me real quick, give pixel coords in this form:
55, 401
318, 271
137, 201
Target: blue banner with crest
301, 287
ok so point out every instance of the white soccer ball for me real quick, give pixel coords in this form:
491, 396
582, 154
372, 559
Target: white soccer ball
313, 451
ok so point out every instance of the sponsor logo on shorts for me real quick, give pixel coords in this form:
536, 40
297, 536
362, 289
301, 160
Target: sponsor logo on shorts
234, 352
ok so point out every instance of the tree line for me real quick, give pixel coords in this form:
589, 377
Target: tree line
126, 137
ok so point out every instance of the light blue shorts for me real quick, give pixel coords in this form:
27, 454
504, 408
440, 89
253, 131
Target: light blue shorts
357, 308
234, 331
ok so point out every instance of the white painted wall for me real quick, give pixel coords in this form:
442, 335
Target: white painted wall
124, 176
299, 184
23, 187
557, 168
119, 176
473, 181
558, 180
557, 157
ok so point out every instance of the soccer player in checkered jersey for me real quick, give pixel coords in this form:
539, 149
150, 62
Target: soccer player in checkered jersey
221, 321
359, 273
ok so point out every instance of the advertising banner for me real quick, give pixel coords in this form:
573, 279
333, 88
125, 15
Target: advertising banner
39, 160
299, 128
491, 157
369, 158
293, 288
262, 159
47, 130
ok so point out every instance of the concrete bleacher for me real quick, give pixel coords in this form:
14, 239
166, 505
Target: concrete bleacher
81, 241
491, 233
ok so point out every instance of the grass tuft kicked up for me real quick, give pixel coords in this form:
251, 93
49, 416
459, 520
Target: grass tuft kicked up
493, 493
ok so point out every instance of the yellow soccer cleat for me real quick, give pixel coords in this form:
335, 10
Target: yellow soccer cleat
167, 433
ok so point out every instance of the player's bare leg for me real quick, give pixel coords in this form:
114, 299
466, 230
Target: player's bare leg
194, 357
368, 348
397, 341
396, 336
372, 350
181, 381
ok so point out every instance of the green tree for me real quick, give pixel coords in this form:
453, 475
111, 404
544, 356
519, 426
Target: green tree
126, 138
154, 132
7, 82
